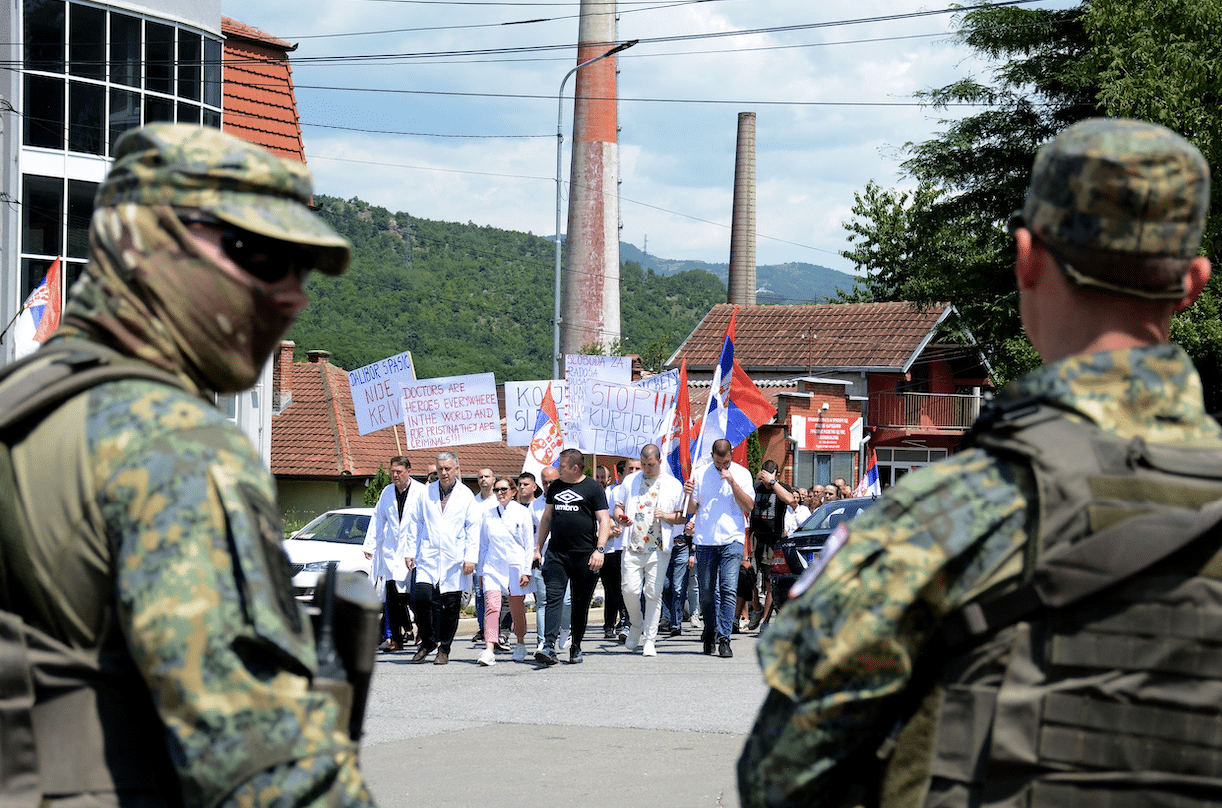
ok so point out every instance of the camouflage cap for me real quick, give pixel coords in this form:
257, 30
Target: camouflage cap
1120, 185
238, 182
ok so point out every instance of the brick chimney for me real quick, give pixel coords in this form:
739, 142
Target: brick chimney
282, 377
319, 357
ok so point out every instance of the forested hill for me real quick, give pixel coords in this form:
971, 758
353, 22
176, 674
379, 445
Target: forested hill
795, 282
469, 299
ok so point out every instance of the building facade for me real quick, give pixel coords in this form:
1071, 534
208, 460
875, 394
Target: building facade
90, 71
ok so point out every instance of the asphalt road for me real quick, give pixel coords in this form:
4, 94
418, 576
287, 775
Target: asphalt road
617, 730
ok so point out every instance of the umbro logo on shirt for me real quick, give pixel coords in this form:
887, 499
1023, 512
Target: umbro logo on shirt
568, 497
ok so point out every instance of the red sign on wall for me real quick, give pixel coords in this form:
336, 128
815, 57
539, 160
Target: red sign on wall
828, 433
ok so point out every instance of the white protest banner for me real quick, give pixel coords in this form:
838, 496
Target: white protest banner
667, 382
580, 371
451, 411
622, 419
377, 389
522, 400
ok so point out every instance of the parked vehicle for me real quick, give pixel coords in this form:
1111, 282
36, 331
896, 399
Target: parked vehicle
798, 550
336, 536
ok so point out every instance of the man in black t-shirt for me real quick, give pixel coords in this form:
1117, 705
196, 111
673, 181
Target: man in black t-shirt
772, 497
576, 518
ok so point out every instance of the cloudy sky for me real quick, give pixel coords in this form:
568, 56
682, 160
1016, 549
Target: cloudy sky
403, 105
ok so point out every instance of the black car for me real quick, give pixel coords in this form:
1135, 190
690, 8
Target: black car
795, 552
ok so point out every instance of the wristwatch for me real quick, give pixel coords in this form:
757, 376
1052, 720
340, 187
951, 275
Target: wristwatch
602, 550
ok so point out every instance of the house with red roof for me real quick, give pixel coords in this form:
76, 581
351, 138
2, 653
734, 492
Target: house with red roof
848, 378
260, 104
318, 455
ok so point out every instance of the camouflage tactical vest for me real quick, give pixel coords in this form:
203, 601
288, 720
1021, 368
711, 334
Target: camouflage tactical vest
72, 719
1095, 679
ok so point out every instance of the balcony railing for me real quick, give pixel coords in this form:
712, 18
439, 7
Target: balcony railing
923, 410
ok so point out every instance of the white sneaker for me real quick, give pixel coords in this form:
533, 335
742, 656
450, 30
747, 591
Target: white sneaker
566, 639
697, 623
519, 652
487, 658
634, 640
649, 649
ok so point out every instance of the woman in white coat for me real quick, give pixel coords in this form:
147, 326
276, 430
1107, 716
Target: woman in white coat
506, 549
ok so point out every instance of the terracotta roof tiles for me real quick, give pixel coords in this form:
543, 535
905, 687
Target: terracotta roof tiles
793, 339
260, 105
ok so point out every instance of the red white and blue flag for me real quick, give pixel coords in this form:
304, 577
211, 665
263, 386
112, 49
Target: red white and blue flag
736, 406
676, 442
40, 314
869, 487
548, 441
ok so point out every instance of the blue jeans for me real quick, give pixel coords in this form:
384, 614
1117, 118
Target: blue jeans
717, 575
677, 576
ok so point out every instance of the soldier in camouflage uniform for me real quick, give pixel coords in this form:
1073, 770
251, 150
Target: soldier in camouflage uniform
180, 665
875, 699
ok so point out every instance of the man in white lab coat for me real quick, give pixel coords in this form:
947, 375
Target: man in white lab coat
443, 547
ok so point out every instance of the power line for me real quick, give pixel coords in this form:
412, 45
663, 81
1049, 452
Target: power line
672, 38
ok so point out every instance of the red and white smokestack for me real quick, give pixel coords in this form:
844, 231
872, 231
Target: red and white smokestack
590, 295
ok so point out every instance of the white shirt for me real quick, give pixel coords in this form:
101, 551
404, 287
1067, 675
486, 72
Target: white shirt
387, 542
719, 518
669, 497
618, 535
442, 540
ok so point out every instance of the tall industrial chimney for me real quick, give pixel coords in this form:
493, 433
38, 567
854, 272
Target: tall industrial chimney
590, 281
740, 287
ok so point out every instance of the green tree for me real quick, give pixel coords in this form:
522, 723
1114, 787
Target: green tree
944, 242
374, 489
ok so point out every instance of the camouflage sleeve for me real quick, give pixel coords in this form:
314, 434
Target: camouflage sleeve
837, 652
206, 607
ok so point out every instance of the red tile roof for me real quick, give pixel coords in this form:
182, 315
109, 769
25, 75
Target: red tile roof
316, 436
831, 336
259, 102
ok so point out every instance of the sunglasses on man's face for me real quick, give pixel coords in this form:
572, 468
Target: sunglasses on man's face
268, 259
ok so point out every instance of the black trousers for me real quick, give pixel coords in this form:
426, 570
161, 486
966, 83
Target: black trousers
613, 580
397, 613
560, 571
436, 615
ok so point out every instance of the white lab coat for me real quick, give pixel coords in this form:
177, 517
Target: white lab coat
387, 542
506, 547
441, 541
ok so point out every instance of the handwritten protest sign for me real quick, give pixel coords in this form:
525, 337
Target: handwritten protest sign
377, 391
451, 411
622, 419
522, 400
667, 382
580, 371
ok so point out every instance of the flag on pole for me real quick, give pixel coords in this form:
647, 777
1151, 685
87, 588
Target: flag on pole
676, 441
869, 487
40, 314
714, 419
747, 409
548, 440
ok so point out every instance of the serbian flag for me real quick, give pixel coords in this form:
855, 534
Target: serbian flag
40, 315
548, 440
714, 418
869, 487
676, 441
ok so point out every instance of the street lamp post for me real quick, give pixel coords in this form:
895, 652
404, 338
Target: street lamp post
559, 150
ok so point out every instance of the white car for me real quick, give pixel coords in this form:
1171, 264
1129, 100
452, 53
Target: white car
336, 536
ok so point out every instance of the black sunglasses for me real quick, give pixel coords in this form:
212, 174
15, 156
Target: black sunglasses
268, 259
502, 489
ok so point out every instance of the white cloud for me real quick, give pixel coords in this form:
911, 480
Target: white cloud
678, 157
